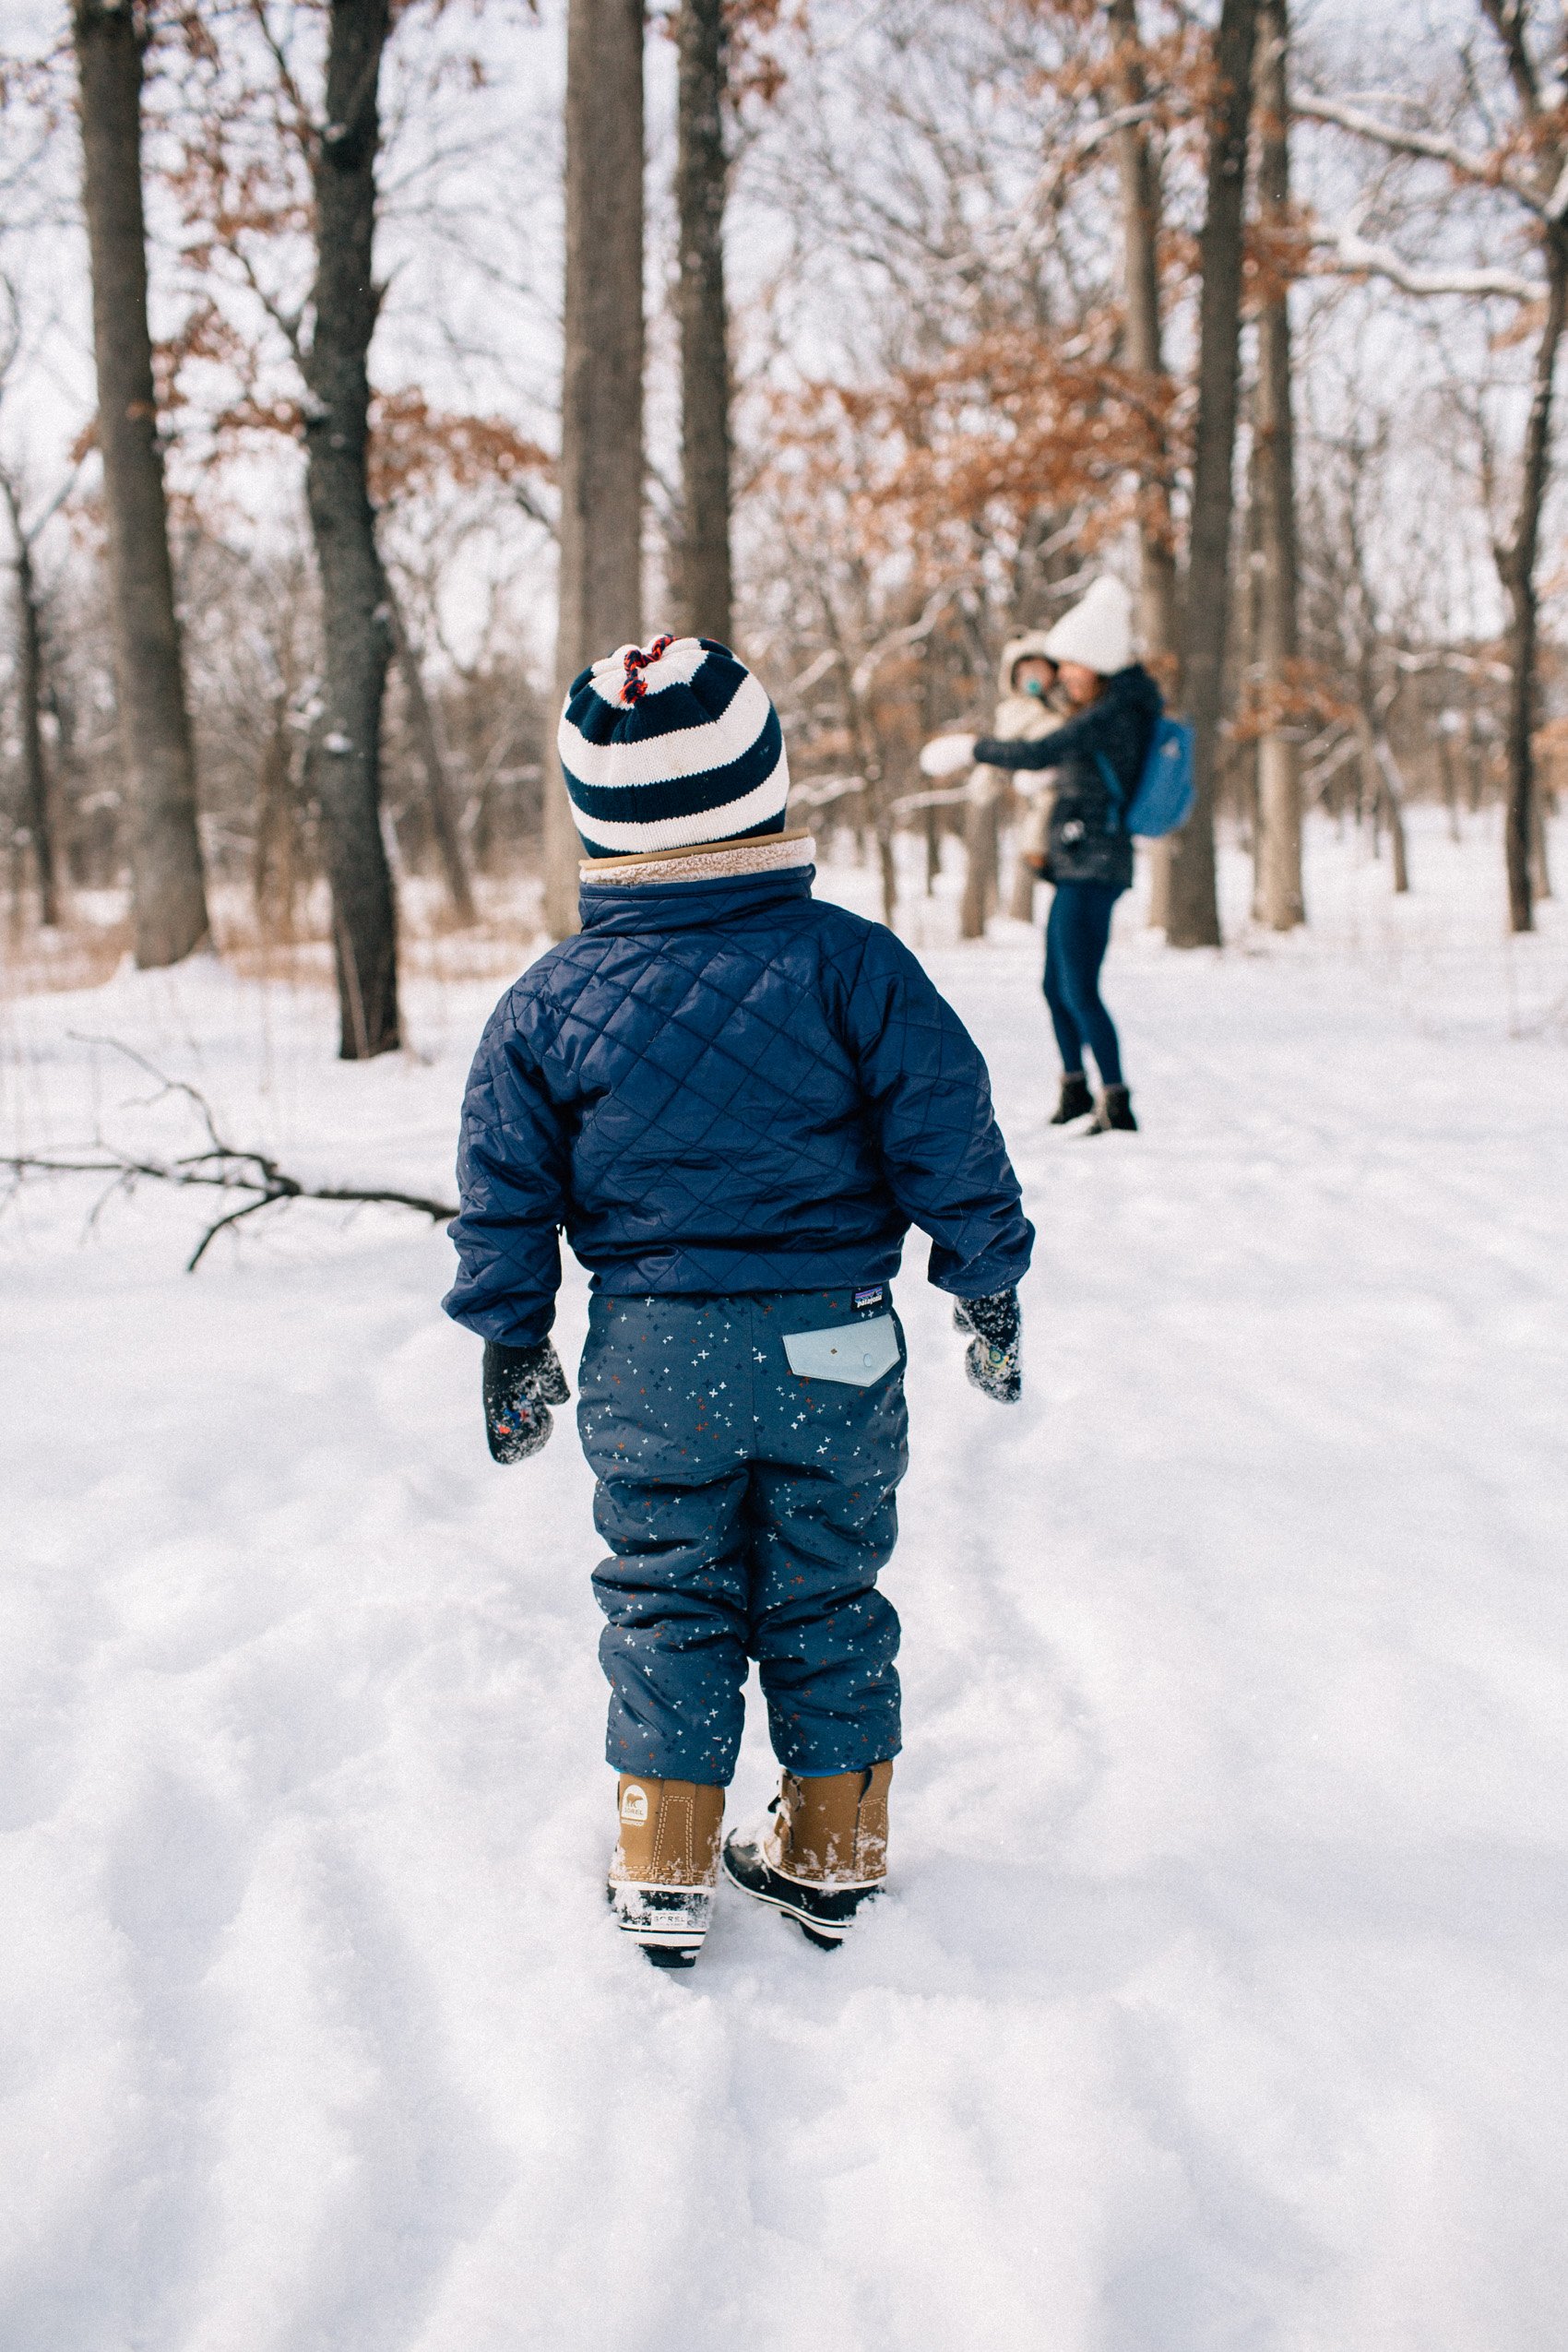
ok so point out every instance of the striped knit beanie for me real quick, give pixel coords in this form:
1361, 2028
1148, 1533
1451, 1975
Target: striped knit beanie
669, 747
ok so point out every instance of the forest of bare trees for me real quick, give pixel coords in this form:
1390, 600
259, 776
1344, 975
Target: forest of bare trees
366, 369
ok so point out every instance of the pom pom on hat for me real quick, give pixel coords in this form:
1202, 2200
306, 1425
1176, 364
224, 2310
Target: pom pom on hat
669, 746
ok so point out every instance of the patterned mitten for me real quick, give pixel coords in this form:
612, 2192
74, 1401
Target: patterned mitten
521, 1384
992, 1357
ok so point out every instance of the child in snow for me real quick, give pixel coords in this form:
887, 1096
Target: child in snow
734, 1100
1024, 679
1098, 755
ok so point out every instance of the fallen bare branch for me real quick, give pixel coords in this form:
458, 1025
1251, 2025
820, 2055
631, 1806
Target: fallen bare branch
221, 1167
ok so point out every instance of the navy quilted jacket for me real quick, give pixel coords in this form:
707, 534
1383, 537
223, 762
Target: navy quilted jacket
724, 1086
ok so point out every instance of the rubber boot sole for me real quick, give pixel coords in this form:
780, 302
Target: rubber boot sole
675, 1945
824, 1915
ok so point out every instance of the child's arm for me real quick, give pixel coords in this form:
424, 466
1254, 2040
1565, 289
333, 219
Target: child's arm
512, 1177
928, 1094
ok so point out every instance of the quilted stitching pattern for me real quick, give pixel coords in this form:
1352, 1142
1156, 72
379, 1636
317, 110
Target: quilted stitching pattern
720, 1088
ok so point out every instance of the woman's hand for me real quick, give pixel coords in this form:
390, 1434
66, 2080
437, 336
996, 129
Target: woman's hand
947, 755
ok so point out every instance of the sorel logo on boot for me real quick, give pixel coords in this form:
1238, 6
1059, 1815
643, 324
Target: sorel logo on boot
871, 1297
634, 1806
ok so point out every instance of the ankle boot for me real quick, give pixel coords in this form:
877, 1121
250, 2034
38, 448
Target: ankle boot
821, 1855
1076, 1102
1115, 1113
666, 1865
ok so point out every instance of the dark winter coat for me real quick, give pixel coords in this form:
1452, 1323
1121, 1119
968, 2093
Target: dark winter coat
1088, 841
723, 1087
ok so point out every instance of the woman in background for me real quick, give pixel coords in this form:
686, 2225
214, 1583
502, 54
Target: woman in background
1098, 755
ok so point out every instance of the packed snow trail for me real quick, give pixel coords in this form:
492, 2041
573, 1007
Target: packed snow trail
1223, 2000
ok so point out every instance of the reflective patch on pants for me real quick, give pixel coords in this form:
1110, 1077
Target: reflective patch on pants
856, 1353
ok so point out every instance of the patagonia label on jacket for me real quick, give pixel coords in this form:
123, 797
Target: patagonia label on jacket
876, 1296
855, 1353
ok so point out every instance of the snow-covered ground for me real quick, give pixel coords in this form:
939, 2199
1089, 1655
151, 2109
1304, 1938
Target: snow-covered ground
1224, 1998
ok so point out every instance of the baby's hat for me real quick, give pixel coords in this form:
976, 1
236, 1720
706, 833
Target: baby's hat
670, 746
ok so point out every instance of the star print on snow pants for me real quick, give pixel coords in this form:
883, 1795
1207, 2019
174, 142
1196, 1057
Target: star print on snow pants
748, 1512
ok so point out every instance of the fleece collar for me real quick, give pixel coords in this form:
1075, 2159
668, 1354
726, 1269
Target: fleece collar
706, 860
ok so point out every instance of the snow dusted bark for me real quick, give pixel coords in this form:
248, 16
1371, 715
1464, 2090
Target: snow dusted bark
169, 898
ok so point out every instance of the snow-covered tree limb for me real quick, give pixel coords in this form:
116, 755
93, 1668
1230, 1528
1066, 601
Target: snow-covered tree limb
1357, 257
1482, 169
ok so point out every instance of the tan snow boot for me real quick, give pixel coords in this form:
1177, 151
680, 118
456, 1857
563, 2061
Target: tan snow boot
822, 1855
666, 1865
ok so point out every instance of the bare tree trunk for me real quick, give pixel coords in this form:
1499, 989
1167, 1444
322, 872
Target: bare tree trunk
1449, 781
1239, 767
167, 892
1194, 907
36, 809
1281, 903
1021, 898
1141, 212
1540, 869
1391, 792
887, 868
1516, 568
273, 863
356, 626
602, 392
980, 844
705, 589
439, 797
1475, 756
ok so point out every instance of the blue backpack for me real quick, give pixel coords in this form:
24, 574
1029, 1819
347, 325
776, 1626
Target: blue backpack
1163, 799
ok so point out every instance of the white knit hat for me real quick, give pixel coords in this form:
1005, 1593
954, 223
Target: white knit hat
1098, 631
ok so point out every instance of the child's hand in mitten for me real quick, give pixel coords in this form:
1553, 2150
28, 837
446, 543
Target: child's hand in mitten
521, 1384
992, 1357
947, 755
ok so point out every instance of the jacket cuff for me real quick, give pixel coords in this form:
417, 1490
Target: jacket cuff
506, 1325
509, 1358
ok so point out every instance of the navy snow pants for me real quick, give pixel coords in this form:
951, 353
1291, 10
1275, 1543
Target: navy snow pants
1078, 932
748, 1512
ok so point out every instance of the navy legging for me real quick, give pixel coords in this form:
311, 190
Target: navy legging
1076, 937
